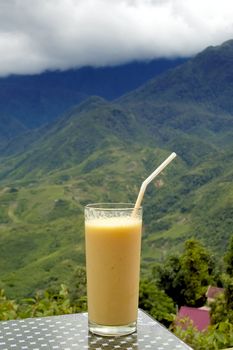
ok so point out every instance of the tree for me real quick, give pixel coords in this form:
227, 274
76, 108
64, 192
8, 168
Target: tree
222, 307
216, 337
156, 302
185, 278
171, 280
8, 308
45, 303
78, 289
196, 267
228, 258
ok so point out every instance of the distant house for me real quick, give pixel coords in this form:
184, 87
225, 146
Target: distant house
212, 293
200, 318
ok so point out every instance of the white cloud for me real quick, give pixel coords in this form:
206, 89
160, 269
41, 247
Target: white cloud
60, 34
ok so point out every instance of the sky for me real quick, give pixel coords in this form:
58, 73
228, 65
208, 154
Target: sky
38, 35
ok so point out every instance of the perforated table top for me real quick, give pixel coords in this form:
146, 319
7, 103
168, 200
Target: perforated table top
69, 332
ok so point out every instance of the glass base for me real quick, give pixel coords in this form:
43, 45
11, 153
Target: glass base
112, 331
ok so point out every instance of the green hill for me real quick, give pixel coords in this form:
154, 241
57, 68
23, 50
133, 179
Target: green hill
36, 99
102, 151
9, 129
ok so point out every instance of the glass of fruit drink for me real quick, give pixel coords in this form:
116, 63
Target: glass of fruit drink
113, 246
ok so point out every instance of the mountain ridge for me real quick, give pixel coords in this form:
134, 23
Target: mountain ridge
102, 151
41, 98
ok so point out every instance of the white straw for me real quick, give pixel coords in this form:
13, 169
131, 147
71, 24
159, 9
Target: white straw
150, 178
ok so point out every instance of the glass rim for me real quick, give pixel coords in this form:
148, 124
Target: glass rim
112, 206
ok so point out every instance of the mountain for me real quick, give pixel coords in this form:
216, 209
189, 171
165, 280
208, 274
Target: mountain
195, 98
206, 80
102, 150
38, 99
93, 124
9, 129
180, 110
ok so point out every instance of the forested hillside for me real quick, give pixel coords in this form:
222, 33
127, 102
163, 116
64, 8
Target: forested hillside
102, 151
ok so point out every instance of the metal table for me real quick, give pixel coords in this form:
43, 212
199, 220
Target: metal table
69, 332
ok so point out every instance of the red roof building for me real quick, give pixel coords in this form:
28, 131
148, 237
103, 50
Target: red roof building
213, 292
200, 318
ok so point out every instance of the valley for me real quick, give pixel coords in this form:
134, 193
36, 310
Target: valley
102, 150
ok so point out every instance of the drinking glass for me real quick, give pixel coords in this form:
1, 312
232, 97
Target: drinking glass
113, 246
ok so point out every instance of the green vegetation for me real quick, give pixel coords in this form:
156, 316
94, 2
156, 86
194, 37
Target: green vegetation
217, 337
41, 218
222, 307
46, 303
101, 151
152, 298
156, 302
185, 278
229, 258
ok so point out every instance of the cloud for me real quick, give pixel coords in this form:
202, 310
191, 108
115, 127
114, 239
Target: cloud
60, 34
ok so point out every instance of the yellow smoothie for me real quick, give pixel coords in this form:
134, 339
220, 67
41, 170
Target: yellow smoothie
113, 248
